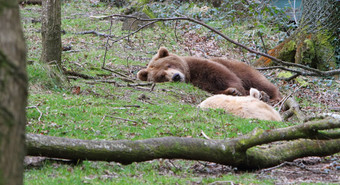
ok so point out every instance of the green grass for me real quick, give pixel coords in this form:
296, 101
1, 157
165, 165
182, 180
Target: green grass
137, 173
163, 114
105, 111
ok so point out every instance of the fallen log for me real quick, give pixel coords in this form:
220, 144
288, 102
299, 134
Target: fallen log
250, 151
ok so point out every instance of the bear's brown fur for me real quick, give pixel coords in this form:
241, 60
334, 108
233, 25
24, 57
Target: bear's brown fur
216, 75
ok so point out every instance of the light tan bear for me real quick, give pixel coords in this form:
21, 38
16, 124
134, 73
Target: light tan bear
243, 106
216, 75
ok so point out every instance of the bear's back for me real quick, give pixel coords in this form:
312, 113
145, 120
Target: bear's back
242, 106
251, 78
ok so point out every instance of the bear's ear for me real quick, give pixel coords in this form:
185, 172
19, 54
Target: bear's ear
255, 93
142, 75
163, 52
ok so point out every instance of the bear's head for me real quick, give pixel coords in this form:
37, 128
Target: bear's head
165, 67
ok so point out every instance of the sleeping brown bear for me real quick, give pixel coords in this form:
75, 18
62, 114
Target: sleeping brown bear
215, 75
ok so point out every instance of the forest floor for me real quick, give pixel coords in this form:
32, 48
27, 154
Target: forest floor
94, 109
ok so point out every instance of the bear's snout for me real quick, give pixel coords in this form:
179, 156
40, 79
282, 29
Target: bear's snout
176, 77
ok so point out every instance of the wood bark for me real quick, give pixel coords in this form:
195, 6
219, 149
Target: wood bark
51, 32
13, 94
315, 42
293, 108
244, 152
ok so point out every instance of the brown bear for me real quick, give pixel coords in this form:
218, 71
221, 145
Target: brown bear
216, 75
242, 106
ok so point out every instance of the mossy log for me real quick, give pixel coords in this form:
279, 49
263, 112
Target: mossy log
244, 152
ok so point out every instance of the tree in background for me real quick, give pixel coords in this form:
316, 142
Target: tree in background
51, 31
13, 94
315, 43
51, 41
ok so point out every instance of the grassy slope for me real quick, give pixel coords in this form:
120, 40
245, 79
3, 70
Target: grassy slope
104, 111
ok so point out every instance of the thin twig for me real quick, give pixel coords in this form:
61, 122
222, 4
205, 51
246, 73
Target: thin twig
107, 43
170, 161
126, 36
130, 26
126, 79
287, 69
106, 81
115, 72
36, 107
142, 88
175, 30
139, 84
102, 120
273, 168
136, 106
204, 135
73, 73
95, 33
301, 166
123, 119
264, 45
283, 101
153, 86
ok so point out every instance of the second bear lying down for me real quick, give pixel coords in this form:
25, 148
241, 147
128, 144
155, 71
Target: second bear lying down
216, 75
242, 106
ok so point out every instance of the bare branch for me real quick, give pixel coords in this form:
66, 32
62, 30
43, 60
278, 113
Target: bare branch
139, 29
107, 42
73, 73
36, 107
115, 72
94, 33
313, 72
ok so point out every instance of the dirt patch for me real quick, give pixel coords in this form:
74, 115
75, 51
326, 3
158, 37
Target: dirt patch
307, 170
303, 170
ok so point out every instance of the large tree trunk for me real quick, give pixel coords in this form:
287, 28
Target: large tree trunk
315, 43
243, 152
51, 31
13, 94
